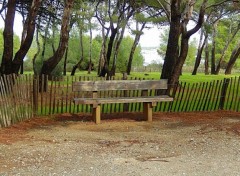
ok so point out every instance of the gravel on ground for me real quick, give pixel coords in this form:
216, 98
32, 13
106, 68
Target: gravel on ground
206, 143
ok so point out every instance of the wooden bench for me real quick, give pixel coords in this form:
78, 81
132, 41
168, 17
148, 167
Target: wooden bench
94, 87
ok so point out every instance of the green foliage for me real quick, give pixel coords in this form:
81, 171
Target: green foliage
207, 27
138, 58
154, 3
74, 53
16, 44
50, 43
1, 44
28, 65
140, 17
226, 28
123, 55
163, 45
192, 51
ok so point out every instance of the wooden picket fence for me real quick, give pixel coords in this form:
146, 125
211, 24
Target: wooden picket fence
15, 99
23, 96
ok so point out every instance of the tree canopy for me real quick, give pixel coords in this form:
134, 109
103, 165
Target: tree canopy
58, 35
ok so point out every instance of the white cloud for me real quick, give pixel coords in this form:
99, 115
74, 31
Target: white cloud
150, 38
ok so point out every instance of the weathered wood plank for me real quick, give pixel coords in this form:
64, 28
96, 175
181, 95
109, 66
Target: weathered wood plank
119, 85
122, 100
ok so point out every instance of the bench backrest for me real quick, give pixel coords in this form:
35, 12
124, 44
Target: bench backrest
119, 85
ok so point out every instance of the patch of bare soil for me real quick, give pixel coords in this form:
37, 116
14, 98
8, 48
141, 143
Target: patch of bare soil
206, 143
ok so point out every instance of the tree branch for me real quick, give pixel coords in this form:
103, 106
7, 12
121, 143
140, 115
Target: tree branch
98, 18
165, 10
200, 20
217, 4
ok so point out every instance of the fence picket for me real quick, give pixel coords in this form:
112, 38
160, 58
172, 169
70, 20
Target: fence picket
209, 96
4, 120
205, 96
237, 95
232, 94
218, 98
181, 97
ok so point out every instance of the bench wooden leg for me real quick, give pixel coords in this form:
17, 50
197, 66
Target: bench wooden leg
147, 111
97, 114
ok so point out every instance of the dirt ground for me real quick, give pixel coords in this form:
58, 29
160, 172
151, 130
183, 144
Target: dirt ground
206, 143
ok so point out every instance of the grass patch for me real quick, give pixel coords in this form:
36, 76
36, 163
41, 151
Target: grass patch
185, 77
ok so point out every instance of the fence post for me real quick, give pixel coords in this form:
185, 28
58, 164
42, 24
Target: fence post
226, 82
35, 94
125, 105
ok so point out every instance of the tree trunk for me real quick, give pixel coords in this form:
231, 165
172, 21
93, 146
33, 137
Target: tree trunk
75, 67
37, 53
90, 47
101, 61
173, 38
114, 32
102, 57
134, 46
45, 39
206, 63
65, 62
118, 41
185, 35
105, 69
116, 50
116, 12
6, 65
235, 54
133, 49
24, 33
181, 59
26, 44
213, 59
52, 62
199, 53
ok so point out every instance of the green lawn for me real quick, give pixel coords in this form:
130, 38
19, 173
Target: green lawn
186, 77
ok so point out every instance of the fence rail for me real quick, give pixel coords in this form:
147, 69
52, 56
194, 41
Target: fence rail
23, 96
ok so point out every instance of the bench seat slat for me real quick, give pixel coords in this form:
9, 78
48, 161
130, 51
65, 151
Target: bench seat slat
119, 85
162, 98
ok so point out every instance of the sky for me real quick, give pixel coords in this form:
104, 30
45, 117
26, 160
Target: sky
151, 37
